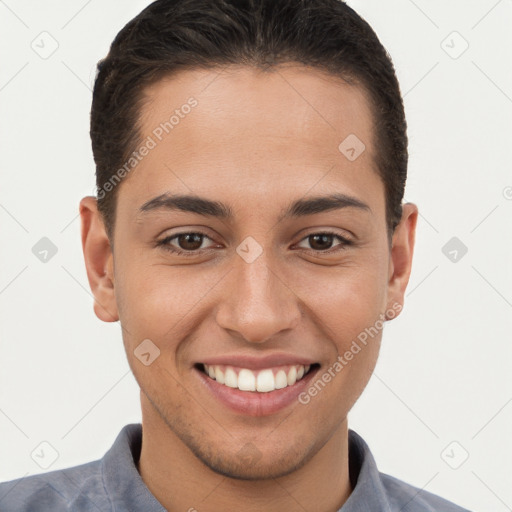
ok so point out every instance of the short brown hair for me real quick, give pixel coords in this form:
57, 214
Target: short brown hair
170, 35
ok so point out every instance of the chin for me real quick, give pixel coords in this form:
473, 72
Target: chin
259, 468
264, 458
252, 461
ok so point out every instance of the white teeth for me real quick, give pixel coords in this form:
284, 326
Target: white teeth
219, 376
292, 376
246, 380
265, 381
230, 378
262, 381
281, 380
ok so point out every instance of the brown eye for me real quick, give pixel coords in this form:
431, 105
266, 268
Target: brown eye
189, 241
319, 242
186, 244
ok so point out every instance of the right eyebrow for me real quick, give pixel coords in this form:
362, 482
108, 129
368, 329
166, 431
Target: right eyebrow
188, 203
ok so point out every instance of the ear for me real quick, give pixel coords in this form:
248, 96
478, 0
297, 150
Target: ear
400, 263
99, 260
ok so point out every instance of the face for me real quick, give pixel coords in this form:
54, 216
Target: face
267, 280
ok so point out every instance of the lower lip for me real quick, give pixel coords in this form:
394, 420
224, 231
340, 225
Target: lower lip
253, 403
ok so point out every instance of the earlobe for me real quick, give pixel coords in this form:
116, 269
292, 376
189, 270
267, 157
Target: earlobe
98, 260
402, 251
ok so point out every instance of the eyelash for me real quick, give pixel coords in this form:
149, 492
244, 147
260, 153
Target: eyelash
164, 243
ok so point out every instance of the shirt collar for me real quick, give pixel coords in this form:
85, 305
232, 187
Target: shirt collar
123, 483
128, 492
368, 491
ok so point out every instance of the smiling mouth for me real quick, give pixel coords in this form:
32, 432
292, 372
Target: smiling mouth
261, 381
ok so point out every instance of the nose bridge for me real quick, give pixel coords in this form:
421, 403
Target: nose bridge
258, 303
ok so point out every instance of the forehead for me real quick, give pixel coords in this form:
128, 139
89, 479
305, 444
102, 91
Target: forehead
256, 131
263, 102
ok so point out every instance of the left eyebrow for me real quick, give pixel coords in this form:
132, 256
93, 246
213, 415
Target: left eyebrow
209, 208
319, 204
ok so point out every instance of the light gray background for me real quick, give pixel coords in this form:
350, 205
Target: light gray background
444, 371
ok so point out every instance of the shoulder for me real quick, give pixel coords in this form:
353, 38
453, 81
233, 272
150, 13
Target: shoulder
373, 490
90, 487
407, 498
71, 489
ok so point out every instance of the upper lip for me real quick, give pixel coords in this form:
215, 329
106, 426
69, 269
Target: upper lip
259, 362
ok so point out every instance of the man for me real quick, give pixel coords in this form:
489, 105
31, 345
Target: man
249, 235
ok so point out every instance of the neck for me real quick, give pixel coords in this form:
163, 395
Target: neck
181, 482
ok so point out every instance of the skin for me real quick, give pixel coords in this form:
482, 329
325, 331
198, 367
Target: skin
256, 141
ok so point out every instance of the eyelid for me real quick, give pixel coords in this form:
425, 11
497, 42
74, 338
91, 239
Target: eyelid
343, 239
165, 242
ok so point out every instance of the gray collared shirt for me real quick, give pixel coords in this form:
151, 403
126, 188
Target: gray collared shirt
114, 484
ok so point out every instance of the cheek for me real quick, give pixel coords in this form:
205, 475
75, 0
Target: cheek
349, 304
347, 300
155, 301
349, 313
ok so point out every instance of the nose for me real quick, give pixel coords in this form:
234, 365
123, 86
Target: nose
258, 302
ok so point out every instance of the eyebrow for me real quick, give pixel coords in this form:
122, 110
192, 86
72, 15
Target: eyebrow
209, 208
